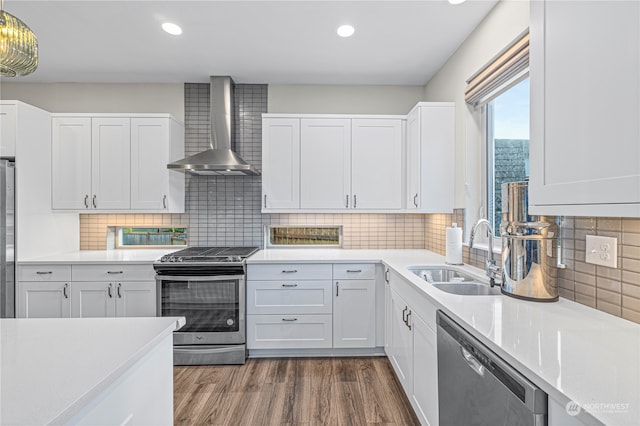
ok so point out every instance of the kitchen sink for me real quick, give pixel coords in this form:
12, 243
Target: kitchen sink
454, 281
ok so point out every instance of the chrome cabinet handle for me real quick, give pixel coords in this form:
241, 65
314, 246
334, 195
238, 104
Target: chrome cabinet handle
289, 271
164, 202
265, 201
354, 270
386, 275
347, 204
119, 290
404, 311
110, 291
65, 291
415, 202
355, 201
337, 288
44, 272
115, 272
95, 205
289, 319
86, 201
289, 285
407, 321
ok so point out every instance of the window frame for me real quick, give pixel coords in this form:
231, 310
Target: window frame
119, 230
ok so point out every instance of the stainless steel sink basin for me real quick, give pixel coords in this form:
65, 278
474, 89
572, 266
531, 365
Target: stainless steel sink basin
441, 274
468, 288
454, 281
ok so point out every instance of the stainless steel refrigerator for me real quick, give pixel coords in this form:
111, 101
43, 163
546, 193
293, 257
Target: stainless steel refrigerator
7, 239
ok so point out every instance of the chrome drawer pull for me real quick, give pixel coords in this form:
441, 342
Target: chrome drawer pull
289, 285
354, 270
289, 271
115, 272
44, 272
289, 319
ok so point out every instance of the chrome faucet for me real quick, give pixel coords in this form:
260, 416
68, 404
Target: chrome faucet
491, 268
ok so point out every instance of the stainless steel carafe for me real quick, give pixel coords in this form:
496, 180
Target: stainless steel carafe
529, 248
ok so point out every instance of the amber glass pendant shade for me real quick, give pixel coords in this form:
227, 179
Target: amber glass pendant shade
18, 46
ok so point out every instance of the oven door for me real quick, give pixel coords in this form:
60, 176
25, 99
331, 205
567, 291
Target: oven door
214, 307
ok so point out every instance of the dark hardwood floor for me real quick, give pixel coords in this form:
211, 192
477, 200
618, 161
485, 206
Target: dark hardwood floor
292, 391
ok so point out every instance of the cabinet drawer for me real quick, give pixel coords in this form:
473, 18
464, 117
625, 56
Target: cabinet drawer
290, 271
114, 272
289, 297
354, 271
44, 272
289, 331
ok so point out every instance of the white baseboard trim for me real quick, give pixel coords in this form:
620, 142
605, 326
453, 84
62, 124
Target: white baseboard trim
329, 352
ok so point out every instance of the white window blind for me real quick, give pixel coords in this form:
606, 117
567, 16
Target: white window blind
504, 71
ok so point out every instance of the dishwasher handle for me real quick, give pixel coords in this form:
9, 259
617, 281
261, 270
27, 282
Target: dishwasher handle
472, 362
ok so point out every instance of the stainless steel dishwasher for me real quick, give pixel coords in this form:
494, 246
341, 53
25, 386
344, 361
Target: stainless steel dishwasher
476, 387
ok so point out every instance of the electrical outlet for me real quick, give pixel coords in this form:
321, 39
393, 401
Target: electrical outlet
602, 251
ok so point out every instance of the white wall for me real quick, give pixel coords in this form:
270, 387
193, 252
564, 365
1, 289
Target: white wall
507, 20
310, 99
85, 97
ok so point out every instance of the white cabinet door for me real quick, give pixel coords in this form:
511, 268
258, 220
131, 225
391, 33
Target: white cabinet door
376, 164
71, 163
111, 163
401, 342
354, 314
585, 132
92, 300
149, 159
413, 163
8, 117
280, 163
325, 163
43, 300
425, 371
135, 299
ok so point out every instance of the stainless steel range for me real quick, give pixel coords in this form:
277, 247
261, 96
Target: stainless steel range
207, 286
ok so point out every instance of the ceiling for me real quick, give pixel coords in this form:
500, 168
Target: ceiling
277, 42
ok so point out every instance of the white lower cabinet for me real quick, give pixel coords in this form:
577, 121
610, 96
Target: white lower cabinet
43, 300
85, 293
289, 331
122, 299
411, 347
310, 306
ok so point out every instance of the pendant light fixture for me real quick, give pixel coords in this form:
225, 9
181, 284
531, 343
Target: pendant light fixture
18, 46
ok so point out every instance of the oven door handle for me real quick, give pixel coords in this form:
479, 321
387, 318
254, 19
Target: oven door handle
199, 278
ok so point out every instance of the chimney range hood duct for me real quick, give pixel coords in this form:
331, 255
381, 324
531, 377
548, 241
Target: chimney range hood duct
219, 159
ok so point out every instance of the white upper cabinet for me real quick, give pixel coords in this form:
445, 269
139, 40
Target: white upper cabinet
376, 164
115, 163
430, 169
352, 163
71, 163
8, 117
325, 163
111, 163
280, 163
585, 131
155, 142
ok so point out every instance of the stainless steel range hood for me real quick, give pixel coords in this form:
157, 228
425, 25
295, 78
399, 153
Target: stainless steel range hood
219, 159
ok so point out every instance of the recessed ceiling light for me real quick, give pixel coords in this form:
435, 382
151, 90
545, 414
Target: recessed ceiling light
171, 28
456, 1
346, 31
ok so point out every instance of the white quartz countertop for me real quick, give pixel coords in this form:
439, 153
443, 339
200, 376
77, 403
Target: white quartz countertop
140, 256
573, 352
51, 368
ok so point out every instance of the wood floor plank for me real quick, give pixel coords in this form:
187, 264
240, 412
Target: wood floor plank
297, 391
